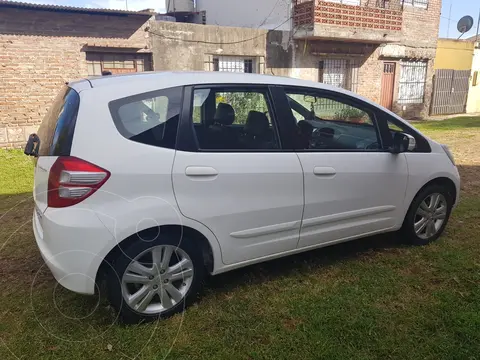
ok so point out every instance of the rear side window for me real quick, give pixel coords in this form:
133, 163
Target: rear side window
150, 118
56, 130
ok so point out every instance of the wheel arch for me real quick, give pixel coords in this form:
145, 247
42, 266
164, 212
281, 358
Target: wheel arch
444, 181
210, 253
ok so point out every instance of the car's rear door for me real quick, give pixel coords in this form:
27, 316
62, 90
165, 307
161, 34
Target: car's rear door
231, 175
353, 185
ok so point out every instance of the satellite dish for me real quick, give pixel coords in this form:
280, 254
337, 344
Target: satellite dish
465, 24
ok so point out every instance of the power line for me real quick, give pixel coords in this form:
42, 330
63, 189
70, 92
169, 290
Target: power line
147, 29
268, 16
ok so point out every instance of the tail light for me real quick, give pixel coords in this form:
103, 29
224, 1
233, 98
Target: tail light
72, 180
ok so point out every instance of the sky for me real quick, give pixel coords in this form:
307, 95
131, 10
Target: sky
460, 8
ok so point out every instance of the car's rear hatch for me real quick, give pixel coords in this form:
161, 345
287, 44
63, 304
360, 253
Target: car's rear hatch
55, 137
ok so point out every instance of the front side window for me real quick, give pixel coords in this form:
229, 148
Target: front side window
229, 119
413, 76
328, 123
150, 118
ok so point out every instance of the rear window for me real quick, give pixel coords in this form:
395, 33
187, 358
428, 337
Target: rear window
150, 118
56, 130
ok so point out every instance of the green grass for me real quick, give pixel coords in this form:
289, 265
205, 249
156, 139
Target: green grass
466, 122
369, 299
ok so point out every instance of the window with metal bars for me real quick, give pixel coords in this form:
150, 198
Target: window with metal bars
341, 73
413, 76
117, 63
234, 64
416, 3
346, 2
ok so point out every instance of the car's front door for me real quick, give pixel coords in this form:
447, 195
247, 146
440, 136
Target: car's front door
353, 185
231, 175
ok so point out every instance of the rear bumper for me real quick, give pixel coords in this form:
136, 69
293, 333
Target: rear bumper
71, 241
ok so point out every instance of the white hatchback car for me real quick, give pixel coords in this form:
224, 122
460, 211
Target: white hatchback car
148, 182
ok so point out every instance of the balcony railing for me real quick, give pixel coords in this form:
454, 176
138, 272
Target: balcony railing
369, 14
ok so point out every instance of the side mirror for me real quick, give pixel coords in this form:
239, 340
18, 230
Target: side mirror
402, 143
33, 143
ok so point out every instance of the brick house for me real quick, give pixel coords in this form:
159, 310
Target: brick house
382, 49
43, 46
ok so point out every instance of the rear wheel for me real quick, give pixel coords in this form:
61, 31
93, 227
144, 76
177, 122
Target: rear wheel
157, 279
428, 215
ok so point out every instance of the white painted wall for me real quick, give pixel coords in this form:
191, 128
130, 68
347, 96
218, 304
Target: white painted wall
473, 102
263, 14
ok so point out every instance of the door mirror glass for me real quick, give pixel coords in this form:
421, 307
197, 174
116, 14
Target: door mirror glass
402, 143
33, 143
309, 99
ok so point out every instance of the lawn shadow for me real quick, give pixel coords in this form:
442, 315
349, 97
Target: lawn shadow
303, 262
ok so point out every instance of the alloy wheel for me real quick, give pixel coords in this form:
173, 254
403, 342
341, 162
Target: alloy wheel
430, 216
157, 279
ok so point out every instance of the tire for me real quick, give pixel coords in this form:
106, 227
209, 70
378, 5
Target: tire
141, 251
418, 209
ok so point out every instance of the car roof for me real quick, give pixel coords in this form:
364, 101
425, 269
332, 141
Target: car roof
139, 82
184, 78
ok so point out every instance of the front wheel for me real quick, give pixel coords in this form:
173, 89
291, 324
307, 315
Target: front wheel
157, 279
428, 215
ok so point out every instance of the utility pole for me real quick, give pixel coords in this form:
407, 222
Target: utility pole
478, 27
126, 4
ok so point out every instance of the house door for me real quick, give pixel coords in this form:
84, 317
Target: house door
388, 81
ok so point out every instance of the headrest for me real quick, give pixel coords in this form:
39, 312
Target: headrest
225, 115
257, 123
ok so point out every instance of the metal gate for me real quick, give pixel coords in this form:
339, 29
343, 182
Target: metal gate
388, 81
450, 91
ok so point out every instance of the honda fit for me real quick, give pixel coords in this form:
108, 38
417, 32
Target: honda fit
147, 183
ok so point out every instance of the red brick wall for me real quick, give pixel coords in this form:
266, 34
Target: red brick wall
419, 41
41, 50
421, 26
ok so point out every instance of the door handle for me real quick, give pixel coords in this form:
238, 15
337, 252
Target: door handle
324, 171
203, 171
